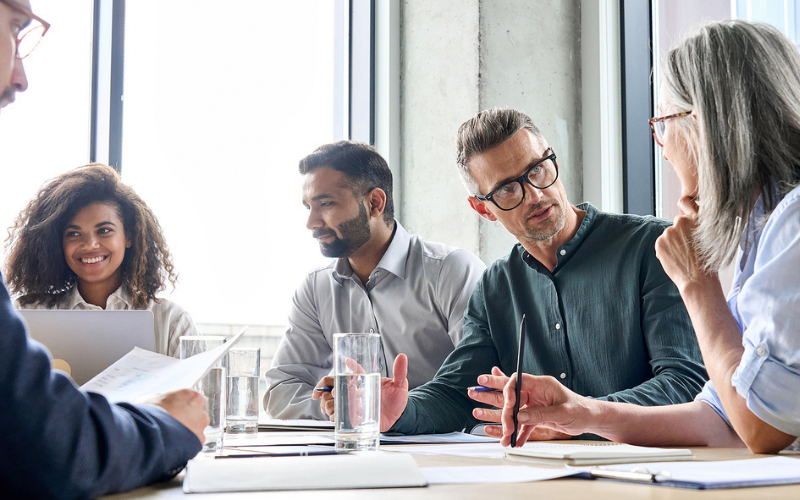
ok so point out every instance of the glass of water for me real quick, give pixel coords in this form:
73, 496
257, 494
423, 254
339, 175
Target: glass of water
212, 386
244, 368
356, 397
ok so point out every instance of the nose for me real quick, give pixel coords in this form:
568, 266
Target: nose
313, 222
18, 79
532, 195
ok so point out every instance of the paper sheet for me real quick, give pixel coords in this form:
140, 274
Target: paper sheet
719, 474
142, 373
450, 437
492, 474
480, 450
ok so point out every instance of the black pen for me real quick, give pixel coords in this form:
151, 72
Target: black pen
520, 352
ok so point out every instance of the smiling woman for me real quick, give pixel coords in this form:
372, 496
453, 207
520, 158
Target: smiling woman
87, 241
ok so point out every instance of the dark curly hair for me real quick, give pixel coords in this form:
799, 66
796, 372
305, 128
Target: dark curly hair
36, 266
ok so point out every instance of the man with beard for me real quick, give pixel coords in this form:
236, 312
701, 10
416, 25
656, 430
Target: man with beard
383, 280
602, 317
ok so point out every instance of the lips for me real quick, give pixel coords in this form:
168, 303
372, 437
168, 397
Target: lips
93, 260
541, 213
319, 235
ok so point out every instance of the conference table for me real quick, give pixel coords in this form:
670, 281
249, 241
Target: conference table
562, 489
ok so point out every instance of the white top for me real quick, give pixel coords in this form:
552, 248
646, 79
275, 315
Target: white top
171, 321
765, 302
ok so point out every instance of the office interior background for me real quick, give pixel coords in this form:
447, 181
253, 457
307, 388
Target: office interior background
206, 107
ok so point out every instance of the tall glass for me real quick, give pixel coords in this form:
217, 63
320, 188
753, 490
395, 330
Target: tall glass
244, 367
212, 386
357, 384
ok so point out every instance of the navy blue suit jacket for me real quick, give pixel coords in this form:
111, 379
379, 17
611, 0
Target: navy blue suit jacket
57, 441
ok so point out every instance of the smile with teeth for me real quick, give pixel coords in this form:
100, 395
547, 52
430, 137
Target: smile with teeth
93, 260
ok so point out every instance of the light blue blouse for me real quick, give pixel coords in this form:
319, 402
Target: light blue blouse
765, 302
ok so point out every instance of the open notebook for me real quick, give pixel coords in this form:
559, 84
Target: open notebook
591, 454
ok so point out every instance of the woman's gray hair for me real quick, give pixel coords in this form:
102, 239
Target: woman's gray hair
742, 80
482, 132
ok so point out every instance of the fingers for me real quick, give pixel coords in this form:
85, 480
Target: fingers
318, 391
400, 369
353, 366
498, 372
487, 415
486, 397
493, 381
688, 206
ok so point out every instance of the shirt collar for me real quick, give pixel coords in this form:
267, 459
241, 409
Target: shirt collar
73, 299
393, 260
570, 246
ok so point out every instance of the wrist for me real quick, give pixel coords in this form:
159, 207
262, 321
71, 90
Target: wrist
700, 288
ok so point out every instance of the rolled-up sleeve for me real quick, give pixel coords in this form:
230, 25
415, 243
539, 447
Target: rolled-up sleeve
768, 376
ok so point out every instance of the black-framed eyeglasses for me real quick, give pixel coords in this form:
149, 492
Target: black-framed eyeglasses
540, 175
30, 36
657, 124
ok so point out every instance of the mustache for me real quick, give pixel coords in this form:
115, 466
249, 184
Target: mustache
539, 207
322, 232
8, 95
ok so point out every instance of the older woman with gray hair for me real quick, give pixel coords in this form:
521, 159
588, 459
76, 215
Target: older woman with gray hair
730, 96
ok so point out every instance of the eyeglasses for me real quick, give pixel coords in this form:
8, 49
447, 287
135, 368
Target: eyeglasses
30, 36
657, 124
540, 175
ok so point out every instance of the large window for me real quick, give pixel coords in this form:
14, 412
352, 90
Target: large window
46, 131
217, 114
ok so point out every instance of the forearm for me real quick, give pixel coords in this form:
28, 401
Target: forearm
688, 424
721, 344
291, 399
433, 409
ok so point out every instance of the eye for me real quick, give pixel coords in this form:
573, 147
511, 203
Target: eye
71, 234
326, 204
104, 230
506, 189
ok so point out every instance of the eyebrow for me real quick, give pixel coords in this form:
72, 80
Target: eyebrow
528, 167
101, 224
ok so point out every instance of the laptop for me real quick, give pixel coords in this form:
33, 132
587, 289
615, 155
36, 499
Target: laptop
84, 343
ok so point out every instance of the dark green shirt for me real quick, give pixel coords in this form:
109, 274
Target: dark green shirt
607, 322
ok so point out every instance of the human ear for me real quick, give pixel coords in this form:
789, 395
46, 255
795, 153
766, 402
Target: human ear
376, 201
480, 207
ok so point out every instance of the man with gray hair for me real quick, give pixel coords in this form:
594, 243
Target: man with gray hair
602, 316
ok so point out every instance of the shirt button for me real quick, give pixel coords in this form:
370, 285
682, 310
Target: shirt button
371, 330
761, 351
558, 326
563, 376
563, 252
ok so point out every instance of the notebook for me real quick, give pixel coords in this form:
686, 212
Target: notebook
591, 454
84, 343
374, 469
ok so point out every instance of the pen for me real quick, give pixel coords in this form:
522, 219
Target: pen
480, 388
519, 379
325, 388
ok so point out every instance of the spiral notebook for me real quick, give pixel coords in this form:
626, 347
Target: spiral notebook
593, 454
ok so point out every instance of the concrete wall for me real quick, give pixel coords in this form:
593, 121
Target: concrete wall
459, 57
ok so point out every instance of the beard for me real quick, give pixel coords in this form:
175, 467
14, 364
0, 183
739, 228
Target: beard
355, 232
7, 97
546, 229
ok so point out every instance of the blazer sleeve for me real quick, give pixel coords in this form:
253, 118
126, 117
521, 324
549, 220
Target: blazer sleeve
61, 442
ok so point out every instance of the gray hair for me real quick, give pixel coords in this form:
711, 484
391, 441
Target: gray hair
742, 80
482, 132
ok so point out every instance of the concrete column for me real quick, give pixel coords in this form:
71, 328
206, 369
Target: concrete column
459, 57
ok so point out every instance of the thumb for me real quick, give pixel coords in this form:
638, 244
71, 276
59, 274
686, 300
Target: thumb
400, 369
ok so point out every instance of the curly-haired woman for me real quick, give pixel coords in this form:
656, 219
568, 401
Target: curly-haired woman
88, 241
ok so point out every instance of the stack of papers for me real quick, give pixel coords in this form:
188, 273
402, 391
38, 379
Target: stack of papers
591, 454
276, 424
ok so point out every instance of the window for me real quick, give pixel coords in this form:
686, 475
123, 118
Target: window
46, 131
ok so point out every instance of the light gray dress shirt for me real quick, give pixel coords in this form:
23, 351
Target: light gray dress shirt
415, 298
